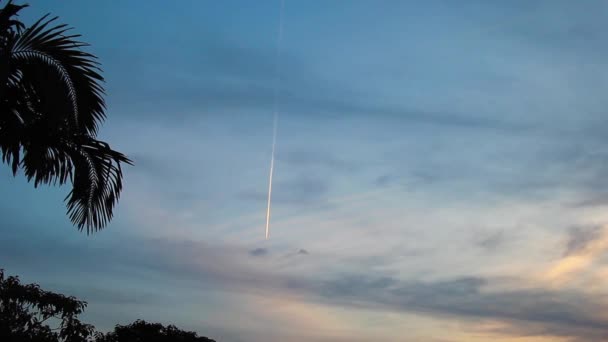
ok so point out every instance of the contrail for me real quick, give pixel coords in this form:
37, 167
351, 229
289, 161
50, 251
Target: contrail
275, 114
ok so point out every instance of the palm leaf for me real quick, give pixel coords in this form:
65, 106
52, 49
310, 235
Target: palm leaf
6, 17
45, 44
51, 103
97, 182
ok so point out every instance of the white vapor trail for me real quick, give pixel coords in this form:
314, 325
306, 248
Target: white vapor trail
275, 114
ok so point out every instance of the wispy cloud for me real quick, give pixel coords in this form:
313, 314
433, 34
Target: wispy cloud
566, 312
258, 252
454, 199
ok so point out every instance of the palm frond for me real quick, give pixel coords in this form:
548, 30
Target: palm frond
30, 55
97, 181
51, 104
91, 165
49, 45
6, 17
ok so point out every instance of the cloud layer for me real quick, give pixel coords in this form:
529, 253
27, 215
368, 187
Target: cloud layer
440, 172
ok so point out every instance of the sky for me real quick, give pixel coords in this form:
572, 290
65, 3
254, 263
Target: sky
441, 171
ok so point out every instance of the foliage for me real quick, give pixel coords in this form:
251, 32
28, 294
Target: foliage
26, 309
51, 106
26, 312
142, 331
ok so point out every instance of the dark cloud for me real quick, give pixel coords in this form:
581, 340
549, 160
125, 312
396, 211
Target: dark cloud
251, 97
572, 162
565, 313
592, 200
385, 180
215, 72
258, 252
295, 254
220, 74
580, 36
580, 237
591, 171
492, 241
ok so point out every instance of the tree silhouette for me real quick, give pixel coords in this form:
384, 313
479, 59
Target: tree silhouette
142, 331
25, 310
51, 105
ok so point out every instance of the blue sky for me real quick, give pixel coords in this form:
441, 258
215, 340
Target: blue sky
440, 174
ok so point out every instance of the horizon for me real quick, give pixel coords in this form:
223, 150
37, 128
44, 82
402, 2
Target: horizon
439, 172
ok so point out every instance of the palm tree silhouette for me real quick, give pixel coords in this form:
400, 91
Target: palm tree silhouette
51, 105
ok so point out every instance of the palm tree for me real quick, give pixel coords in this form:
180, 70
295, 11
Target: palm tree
51, 105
